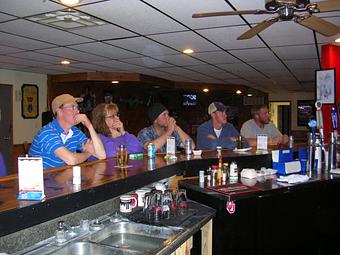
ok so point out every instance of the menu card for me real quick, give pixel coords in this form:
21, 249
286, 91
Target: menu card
262, 142
171, 146
31, 178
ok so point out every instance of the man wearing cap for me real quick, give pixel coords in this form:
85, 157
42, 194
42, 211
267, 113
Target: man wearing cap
216, 131
260, 125
162, 127
58, 141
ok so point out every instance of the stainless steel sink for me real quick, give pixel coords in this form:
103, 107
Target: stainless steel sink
135, 237
84, 248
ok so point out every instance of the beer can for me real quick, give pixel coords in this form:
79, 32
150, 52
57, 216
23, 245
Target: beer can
188, 146
151, 150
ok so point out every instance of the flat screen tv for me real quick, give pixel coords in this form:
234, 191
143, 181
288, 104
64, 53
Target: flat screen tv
189, 99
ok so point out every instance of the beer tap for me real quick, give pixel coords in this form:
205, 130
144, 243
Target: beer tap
311, 140
319, 142
319, 119
333, 140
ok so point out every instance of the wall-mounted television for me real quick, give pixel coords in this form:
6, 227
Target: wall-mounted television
189, 99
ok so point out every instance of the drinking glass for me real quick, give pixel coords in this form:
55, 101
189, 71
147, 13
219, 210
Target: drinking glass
121, 155
182, 202
167, 203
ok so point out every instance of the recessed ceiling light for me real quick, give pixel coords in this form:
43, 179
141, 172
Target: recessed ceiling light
205, 90
115, 82
249, 95
65, 62
238, 92
337, 40
188, 51
70, 2
156, 87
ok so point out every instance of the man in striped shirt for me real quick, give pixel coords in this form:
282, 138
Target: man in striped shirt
60, 143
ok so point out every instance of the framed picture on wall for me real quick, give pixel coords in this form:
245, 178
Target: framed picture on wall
325, 86
305, 112
30, 101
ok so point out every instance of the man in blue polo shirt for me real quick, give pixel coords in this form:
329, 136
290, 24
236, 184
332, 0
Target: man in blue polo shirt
58, 142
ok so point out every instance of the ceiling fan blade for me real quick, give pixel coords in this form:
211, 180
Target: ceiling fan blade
319, 25
214, 14
327, 6
257, 29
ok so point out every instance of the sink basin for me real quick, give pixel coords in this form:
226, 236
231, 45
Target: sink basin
135, 238
84, 248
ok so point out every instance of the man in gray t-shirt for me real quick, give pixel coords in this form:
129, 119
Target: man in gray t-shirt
259, 125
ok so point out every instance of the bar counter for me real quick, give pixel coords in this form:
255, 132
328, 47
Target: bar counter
277, 218
101, 180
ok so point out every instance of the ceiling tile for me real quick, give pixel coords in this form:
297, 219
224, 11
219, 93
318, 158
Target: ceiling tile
8, 50
118, 65
184, 40
303, 64
226, 37
37, 56
128, 15
6, 17
216, 57
254, 55
177, 70
20, 61
30, 7
205, 68
143, 46
189, 7
146, 62
72, 54
105, 50
22, 43
180, 60
42, 33
296, 52
104, 32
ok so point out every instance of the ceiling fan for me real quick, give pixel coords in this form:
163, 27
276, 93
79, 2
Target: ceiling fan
286, 10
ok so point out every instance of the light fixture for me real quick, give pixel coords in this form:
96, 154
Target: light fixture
337, 40
205, 90
238, 92
114, 82
65, 62
188, 51
70, 2
249, 95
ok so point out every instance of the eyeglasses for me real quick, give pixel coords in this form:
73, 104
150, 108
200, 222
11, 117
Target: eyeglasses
112, 116
73, 107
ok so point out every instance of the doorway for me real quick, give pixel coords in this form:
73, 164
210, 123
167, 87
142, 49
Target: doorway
281, 116
6, 124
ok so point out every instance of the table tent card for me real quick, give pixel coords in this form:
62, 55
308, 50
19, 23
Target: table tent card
262, 142
31, 178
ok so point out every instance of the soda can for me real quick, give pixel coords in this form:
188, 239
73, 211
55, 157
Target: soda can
151, 164
151, 150
188, 146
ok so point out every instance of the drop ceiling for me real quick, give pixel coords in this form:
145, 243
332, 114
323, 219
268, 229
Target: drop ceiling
147, 37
